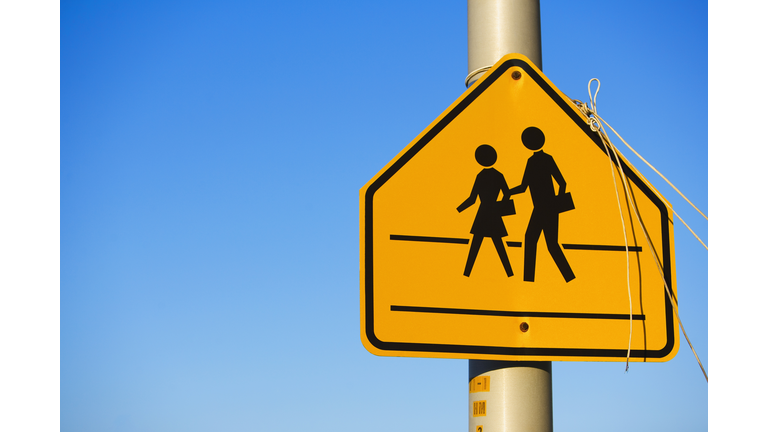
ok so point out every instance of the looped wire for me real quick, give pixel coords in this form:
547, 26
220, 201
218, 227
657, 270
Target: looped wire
594, 123
475, 72
593, 100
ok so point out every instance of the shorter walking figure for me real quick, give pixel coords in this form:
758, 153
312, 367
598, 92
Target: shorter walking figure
539, 172
488, 223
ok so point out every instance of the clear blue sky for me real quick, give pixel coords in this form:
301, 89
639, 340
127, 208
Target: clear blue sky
211, 155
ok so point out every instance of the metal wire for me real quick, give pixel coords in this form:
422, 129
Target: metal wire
475, 72
596, 122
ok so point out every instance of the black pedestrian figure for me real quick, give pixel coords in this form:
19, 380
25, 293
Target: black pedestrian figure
488, 222
539, 172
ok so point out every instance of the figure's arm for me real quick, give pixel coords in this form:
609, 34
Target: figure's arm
524, 184
469, 201
558, 178
504, 188
518, 189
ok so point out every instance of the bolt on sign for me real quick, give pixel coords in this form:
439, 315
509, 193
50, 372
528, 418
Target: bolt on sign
499, 233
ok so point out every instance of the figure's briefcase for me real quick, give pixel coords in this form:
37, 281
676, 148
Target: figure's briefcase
505, 207
564, 202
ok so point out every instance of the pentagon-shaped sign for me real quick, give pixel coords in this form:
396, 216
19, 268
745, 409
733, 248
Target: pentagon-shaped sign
499, 233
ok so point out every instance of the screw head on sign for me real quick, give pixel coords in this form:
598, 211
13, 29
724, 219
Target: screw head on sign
516, 75
524, 327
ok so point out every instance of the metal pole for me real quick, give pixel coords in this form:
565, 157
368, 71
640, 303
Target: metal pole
506, 396
510, 396
499, 27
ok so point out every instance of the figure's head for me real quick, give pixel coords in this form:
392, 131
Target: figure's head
533, 138
485, 155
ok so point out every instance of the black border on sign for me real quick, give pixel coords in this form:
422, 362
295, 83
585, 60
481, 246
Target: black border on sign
497, 350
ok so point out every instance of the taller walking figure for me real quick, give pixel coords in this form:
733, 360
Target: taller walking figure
539, 172
488, 222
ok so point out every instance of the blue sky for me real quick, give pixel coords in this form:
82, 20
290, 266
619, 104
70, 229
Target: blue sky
211, 155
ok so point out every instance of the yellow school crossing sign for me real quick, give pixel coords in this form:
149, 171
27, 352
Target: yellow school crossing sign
504, 231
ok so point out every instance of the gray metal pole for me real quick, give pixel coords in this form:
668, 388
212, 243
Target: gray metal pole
506, 396
499, 27
510, 396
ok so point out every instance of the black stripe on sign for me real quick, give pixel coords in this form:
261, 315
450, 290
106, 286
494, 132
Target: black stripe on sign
481, 312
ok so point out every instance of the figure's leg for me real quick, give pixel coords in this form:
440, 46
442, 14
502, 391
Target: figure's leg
474, 248
532, 234
551, 231
503, 255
